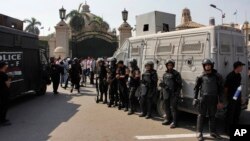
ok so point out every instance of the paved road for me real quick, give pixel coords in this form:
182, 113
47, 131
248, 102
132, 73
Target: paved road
76, 117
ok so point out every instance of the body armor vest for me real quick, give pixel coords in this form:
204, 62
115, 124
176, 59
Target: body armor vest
169, 80
209, 85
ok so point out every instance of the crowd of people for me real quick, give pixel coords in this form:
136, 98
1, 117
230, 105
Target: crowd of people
76, 71
123, 86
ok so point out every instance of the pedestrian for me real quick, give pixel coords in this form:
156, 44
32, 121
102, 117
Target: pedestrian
63, 75
92, 71
89, 63
5, 81
84, 68
209, 84
133, 84
122, 74
148, 89
232, 84
75, 75
68, 66
102, 76
113, 87
55, 71
171, 88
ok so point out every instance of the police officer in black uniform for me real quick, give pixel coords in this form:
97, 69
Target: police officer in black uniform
113, 91
171, 87
55, 72
122, 74
133, 84
102, 76
148, 89
75, 75
210, 87
4, 94
232, 83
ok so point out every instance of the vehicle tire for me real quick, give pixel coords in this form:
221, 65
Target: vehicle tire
42, 90
160, 107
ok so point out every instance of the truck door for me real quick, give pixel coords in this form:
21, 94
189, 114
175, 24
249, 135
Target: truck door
136, 51
225, 57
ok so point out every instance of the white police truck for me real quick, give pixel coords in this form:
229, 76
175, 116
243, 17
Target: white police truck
188, 48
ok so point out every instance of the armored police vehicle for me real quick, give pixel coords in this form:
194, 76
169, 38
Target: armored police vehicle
188, 48
27, 62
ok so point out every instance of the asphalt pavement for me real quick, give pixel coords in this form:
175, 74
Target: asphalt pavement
77, 117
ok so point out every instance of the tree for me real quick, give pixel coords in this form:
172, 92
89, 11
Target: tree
77, 21
32, 26
103, 24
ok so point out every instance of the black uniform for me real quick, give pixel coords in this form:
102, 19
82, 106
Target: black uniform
210, 88
4, 96
134, 83
233, 81
55, 72
75, 75
172, 84
122, 87
113, 91
102, 73
148, 90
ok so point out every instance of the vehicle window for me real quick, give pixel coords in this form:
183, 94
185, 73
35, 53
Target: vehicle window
192, 47
239, 44
225, 43
165, 49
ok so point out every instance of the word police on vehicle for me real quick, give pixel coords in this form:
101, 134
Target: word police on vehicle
13, 58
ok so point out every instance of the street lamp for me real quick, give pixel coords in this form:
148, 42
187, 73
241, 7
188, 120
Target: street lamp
125, 15
222, 13
246, 23
62, 13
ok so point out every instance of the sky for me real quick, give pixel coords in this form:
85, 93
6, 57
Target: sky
47, 11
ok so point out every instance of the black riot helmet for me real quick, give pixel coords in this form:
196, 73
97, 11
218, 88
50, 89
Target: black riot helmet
170, 61
75, 60
113, 61
207, 62
133, 63
150, 63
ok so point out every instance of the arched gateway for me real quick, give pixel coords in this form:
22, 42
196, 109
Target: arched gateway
94, 39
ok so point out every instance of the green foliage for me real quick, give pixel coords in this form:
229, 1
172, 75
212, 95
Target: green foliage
76, 21
33, 26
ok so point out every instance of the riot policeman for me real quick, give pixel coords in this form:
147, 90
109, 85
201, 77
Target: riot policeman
209, 84
148, 89
122, 74
133, 84
171, 87
75, 75
113, 95
102, 76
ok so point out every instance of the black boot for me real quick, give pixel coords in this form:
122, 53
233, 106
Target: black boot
148, 116
200, 136
131, 112
125, 109
173, 125
166, 122
142, 115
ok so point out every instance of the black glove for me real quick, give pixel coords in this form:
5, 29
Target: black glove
195, 102
162, 85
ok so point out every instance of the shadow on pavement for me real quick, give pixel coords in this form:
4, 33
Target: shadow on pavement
35, 117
